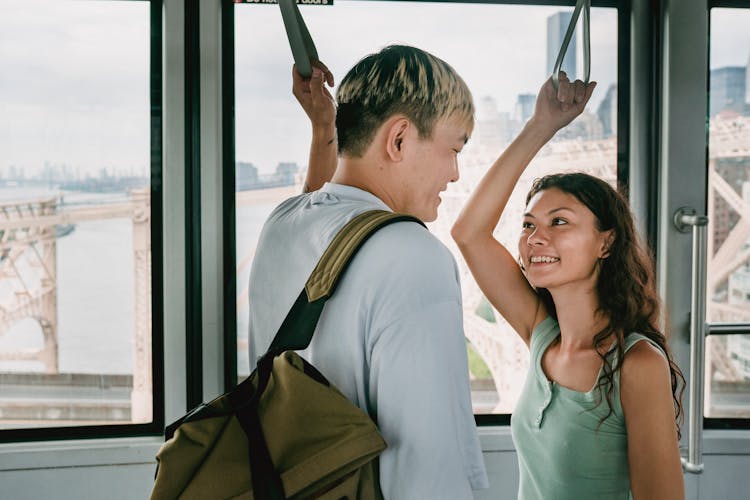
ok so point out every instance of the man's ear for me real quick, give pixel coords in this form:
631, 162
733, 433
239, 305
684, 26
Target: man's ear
395, 138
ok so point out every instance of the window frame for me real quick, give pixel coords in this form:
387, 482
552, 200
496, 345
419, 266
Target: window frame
230, 290
722, 329
156, 426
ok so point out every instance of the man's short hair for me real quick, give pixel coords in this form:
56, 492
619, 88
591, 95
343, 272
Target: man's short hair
398, 80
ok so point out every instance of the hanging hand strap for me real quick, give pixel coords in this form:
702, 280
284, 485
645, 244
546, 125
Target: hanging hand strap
586, 6
303, 48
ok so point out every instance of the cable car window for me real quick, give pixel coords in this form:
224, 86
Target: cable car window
75, 215
728, 275
503, 52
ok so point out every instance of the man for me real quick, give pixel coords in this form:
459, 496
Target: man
391, 337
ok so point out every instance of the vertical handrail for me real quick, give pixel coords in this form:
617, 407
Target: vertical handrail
684, 219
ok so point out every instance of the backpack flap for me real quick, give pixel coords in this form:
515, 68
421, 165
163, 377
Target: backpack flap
315, 435
187, 461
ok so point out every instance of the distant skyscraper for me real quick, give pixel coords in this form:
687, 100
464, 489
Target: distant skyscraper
285, 172
524, 107
587, 127
727, 90
246, 176
492, 127
557, 25
607, 112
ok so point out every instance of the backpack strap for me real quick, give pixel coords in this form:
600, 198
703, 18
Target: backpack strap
298, 327
296, 332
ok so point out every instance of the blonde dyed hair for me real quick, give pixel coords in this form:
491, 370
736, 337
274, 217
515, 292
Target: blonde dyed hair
399, 80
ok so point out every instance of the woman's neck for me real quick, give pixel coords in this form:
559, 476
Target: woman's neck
579, 318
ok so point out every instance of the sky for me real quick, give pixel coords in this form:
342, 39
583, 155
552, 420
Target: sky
74, 82
499, 50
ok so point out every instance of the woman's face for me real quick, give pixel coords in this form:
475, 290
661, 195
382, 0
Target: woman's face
560, 244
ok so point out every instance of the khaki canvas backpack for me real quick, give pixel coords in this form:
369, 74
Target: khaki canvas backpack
285, 432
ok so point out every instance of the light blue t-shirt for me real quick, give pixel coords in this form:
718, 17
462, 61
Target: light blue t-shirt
391, 337
564, 453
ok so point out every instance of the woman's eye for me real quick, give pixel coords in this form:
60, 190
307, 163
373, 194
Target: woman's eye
527, 225
558, 222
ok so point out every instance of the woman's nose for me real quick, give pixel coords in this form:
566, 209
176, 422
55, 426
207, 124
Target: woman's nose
537, 237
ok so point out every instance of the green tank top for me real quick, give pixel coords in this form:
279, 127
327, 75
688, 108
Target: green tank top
561, 453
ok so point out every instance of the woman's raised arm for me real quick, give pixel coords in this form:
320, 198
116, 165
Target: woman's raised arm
496, 271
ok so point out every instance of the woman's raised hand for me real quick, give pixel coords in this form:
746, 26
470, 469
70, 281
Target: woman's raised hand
557, 108
314, 97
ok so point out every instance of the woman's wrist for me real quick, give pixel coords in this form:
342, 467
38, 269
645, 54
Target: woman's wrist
539, 130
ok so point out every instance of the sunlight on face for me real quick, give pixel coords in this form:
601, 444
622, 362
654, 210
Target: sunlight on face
433, 165
560, 243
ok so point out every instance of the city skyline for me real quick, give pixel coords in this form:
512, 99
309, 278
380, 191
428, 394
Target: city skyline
501, 55
66, 97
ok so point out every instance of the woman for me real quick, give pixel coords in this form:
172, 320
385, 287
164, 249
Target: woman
597, 415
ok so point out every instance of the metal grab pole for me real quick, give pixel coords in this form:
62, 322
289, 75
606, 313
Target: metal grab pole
684, 219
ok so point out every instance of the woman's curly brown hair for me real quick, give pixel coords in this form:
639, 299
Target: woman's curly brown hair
625, 287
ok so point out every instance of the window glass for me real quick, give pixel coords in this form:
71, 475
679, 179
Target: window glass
728, 358
75, 259
503, 52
